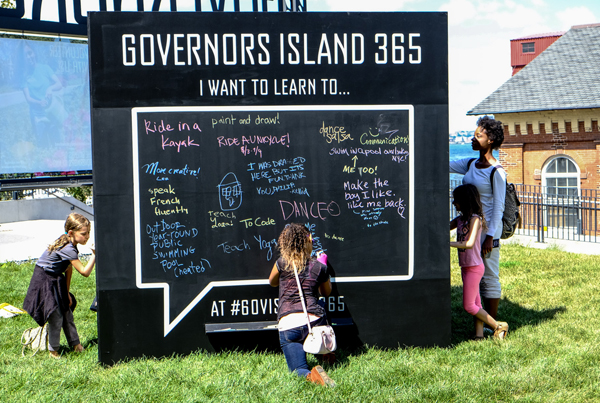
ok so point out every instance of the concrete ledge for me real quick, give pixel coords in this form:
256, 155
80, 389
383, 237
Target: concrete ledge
52, 208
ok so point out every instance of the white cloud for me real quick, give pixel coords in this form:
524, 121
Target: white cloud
575, 16
538, 3
479, 63
520, 18
459, 11
491, 7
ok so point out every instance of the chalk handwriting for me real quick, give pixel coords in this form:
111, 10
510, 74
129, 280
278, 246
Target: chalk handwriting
280, 174
320, 210
168, 198
370, 199
382, 137
220, 219
223, 120
166, 142
339, 151
230, 192
335, 133
274, 120
248, 150
257, 222
156, 170
317, 247
227, 248
152, 127
266, 244
269, 140
192, 268
334, 237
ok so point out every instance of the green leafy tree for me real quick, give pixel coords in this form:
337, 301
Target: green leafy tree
80, 193
8, 4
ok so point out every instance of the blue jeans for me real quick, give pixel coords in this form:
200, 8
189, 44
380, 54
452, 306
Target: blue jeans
291, 342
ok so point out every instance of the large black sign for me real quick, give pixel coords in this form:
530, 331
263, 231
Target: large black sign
211, 133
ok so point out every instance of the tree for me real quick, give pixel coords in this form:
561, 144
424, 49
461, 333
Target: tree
80, 193
8, 4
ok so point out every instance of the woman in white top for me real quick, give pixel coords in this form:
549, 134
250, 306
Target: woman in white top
489, 136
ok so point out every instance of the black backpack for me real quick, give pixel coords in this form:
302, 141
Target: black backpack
511, 218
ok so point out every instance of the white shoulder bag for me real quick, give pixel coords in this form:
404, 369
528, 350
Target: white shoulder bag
35, 338
320, 339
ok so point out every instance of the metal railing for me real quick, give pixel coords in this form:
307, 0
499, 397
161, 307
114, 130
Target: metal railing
547, 214
29, 194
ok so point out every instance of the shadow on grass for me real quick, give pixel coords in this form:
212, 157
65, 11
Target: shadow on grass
90, 342
508, 311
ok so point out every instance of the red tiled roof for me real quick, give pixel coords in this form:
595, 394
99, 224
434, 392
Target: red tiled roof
546, 35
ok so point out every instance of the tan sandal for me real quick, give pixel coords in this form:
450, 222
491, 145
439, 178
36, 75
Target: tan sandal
501, 331
54, 354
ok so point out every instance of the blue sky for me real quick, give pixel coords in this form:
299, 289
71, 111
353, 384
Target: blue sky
479, 34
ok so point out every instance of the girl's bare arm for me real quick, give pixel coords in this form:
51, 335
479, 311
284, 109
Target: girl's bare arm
471, 236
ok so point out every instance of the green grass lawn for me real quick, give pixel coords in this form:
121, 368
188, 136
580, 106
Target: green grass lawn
552, 354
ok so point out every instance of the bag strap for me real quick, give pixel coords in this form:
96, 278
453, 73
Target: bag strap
302, 297
492, 178
26, 343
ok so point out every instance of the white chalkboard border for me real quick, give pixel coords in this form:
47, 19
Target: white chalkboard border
168, 325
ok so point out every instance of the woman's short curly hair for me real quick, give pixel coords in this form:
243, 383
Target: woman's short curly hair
494, 129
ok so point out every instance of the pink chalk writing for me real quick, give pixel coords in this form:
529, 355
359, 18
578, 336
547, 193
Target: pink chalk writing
166, 142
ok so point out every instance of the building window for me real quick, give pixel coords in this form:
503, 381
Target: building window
568, 126
561, 178
528, 47
542, 128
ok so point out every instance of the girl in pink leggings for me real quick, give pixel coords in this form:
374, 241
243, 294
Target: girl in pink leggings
468, 226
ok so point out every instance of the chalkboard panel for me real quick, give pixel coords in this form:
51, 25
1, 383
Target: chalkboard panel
214, 187
198, 168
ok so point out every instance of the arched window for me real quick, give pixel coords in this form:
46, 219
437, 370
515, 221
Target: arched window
561, 177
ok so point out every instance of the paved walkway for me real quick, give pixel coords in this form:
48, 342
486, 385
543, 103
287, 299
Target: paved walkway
586, 248
27, 240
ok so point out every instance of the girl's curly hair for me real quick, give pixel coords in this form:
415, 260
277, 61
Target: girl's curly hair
494, 130
295, 246
75, 222
469, 203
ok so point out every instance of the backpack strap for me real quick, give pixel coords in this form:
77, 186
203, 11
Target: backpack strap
492, 178
491, 174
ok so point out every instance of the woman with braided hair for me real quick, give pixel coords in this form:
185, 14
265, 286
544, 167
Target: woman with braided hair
295, 245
